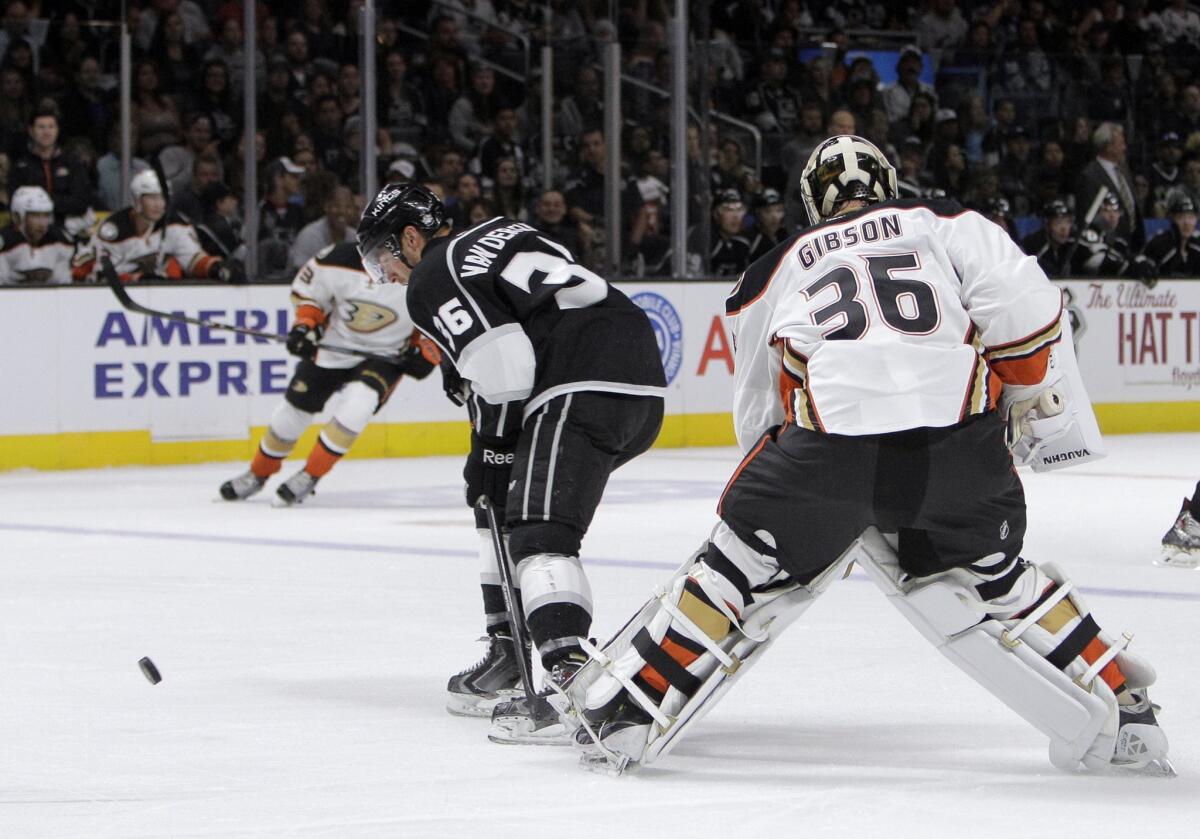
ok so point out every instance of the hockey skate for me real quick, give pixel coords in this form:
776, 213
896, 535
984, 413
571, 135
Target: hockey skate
1141, 745
1181, 544
295, 489
241, 487
497, 676
517, 721
613, 737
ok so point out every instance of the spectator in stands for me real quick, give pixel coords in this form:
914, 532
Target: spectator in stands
950, 171
1179, 26
898, 96
276, 105
326, 40
334, 226
729, 172
449, 165
1110, 100
1054, 244
299, 63
466, 190
1165, 173
348, 88
155, 114
769, 229
1185, 120
15, 107
108, 171
978, 50
347, 164
220, 103
1191, 182
473, 113
175, 161
45, 164
941, 27
401, 105
1176, 250
1025, 68
508, 192
178, 60
87, 109
918, 122
1004, 118
550, 217
279, 217
1049, 179
728, 251
327, 131
187, 200
1015, 166
1108, 174
230, 49
220, 226
479, 211
773, 105
195, 23
442, 91
809, 134
501, 142
911, 181
584, 108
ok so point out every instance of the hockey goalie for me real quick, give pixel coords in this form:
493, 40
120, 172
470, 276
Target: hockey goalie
892, 362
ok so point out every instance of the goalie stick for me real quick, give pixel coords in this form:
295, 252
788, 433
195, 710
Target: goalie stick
118, 289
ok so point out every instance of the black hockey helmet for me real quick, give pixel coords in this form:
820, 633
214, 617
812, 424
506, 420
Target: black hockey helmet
1055, 208
998, 206
1181, 203
396, 207
845, 168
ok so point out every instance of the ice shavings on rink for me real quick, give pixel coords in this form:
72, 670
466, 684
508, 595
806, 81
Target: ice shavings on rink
304, 653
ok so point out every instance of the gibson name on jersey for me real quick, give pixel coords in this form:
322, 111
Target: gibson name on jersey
868, 230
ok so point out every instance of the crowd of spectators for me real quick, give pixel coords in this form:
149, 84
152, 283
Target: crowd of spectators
1036, 112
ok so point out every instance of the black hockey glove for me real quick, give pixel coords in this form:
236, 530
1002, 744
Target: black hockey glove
420, 357
302, 340
487, 472
1146, 271
228, 271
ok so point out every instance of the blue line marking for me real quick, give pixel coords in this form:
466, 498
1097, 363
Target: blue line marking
400, 550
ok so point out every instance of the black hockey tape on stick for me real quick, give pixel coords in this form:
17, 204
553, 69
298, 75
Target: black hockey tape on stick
118, 288
516, 619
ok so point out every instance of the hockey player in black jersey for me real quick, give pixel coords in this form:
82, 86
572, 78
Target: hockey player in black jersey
564, 384
1176, 251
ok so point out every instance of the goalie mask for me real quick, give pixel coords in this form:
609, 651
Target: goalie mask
845, 168
381, 230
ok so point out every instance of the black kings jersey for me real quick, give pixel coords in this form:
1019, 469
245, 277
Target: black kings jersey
523, 322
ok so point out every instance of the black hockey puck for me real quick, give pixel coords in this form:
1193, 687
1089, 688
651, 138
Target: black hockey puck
150, 671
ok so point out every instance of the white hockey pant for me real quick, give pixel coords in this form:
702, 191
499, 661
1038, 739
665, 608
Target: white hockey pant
1036, 648
692, 641
355, 407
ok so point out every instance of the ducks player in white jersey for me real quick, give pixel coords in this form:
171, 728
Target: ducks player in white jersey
335, 299
1181, 544
891, 362
145, 241
33, 251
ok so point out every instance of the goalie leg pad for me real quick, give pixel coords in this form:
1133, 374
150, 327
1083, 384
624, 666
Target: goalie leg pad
684, 649
1037, 649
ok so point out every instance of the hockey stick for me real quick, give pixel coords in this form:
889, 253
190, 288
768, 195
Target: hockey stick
516, 618
118, 288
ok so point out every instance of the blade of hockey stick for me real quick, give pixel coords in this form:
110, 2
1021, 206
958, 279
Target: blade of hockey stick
516, 619
118, 289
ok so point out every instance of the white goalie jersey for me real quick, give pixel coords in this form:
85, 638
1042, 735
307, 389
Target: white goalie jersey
332, 290
903, 315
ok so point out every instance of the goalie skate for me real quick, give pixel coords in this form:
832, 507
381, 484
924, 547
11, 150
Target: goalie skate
1181, 544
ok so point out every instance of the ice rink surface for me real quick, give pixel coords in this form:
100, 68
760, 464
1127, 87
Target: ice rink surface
304, 655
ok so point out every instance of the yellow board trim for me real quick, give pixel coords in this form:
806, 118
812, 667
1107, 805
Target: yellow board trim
88, 450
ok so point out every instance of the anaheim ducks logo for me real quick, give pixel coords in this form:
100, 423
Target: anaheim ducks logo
147, 263
36, 275
369, 317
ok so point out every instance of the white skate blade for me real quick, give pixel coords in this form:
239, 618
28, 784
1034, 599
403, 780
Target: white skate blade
600, 763
522, 730
472, 705
1172, 557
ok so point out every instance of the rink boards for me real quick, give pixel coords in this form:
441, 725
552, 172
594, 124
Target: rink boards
89, 384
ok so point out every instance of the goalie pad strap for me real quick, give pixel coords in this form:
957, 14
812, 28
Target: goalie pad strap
1075, 643
664, 666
